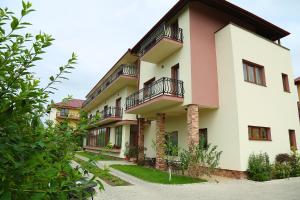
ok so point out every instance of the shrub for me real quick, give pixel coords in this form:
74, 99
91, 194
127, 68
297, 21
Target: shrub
259, 168
281, 170
283, 158
200, 160
295, 163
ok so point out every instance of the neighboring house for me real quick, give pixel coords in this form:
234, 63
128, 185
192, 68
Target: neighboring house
69, 110
206, 68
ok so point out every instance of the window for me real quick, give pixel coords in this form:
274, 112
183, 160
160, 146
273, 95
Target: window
102, 137
254, 73
64, 112
292, 136
285, 82
203, 137
259, 133
118, 136
172, 142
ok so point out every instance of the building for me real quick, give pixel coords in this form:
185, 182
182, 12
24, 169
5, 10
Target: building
209, 68
69, 110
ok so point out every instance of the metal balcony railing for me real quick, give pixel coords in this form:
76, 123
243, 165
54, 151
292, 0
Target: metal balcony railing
124, 69
163, 86
164, 31
67, 115
110, 112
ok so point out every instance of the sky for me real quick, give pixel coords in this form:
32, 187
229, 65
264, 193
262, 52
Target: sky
100, 31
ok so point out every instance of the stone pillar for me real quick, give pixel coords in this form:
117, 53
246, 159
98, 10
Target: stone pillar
160, 142
141, 127
193, 125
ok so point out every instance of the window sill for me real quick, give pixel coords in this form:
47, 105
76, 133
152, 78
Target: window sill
263, 85
263, 140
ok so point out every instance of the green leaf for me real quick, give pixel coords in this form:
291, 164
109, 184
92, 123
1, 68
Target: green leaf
14, 24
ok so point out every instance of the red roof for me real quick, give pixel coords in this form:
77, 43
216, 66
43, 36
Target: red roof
73, 103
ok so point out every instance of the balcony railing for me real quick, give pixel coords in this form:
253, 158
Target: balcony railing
164, 31
67, 115
110, 112
124, 69
163, 86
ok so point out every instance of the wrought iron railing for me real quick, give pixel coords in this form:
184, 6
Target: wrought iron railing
124, 69
110, 112
164, 31
163, 86
67, 115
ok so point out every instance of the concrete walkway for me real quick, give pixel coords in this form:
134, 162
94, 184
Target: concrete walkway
227, 189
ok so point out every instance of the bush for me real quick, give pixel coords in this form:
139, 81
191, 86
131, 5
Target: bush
259, 168
295, 164
281, 170
283, 158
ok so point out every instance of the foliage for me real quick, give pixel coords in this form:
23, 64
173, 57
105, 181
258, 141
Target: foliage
103, 174
200, 159
281, 170
282, 158
154, 175
295, 163
259, 167
34, 160
109, 146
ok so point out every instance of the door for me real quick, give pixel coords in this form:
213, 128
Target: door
133, 135
107, 136
148, 88
105, 112
203, 137
174, 30
118, 108
174, 79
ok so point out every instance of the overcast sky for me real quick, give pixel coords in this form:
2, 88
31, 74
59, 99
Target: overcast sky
100, 32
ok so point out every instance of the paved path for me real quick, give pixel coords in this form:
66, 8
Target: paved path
227, 189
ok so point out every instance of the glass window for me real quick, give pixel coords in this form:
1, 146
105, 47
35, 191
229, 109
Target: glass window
245, 72
172, 143
253, 73
64, 112
285, 82
118, 136
259, 133
203, 137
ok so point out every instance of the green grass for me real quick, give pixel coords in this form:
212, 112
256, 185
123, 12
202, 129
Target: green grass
154, 175
101, 173
96, 156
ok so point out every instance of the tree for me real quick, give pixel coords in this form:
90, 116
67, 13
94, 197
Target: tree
34, 160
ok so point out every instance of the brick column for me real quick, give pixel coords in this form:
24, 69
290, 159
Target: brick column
193, 125
141, 127
160, 141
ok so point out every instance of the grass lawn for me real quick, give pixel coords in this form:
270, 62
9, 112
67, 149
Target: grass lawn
101, 173
154, 175
96, 156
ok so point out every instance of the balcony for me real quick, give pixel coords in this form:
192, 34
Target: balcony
126, 74
67, 116
109, 115
161, 94
162, 43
